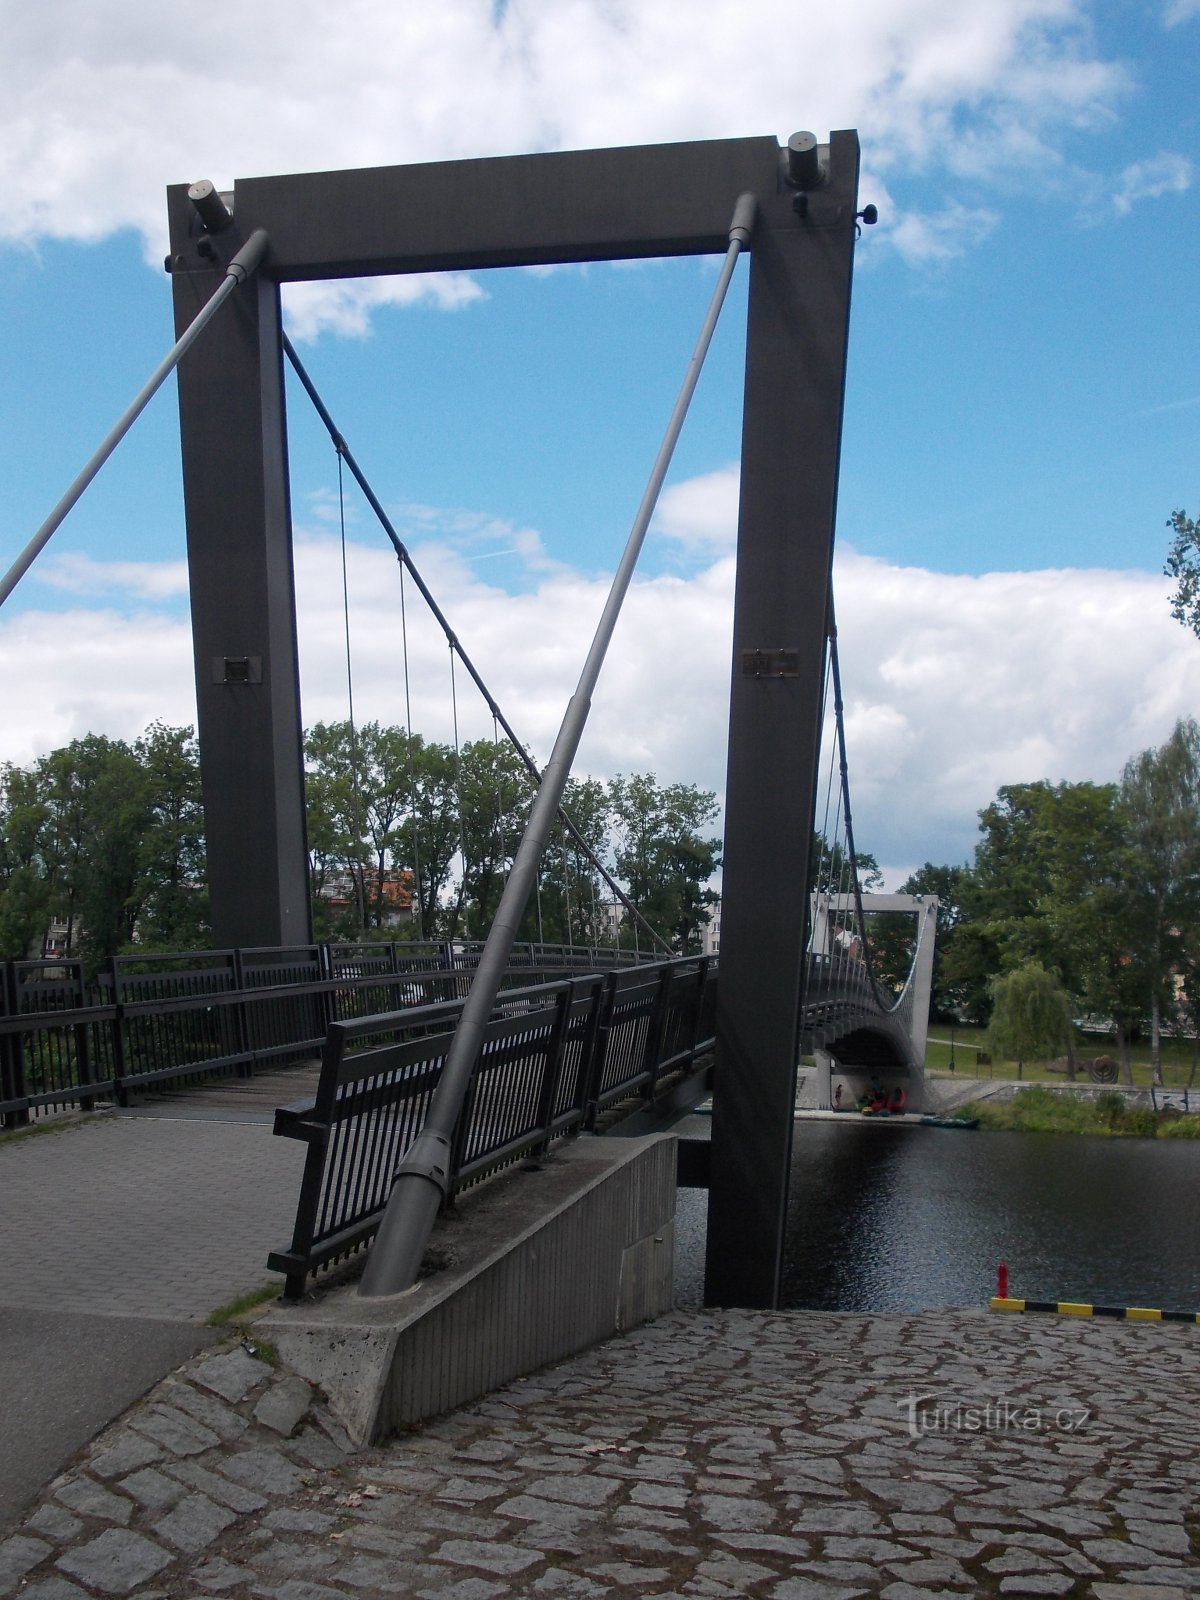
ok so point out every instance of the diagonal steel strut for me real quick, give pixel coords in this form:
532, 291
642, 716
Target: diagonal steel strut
239, 269
423, 1176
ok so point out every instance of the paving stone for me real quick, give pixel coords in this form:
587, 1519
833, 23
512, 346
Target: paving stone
1137, 1591
124, 1453
297, 1519
194, 1523
218, 1575
264, 1470
467, 1589
815, 1589
629, 1574
116, 1562
1116, 1553
576, 1491
1013, 1562
19, 1555
284, 1405
731, 1514
311, 1447
299, 1589
498, 1558
1169, 1537
839, 1519
53, 1589
1037, 1583
559, 1584
221, 1489
179, 1434
90, 1500
153, 1489
232, 1376
224, 1421
780, 1544
53, 1522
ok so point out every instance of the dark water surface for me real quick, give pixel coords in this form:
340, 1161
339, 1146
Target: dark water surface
901, 1218
905, 1218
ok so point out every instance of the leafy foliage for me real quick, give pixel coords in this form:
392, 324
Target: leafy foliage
1031, 1016
1183, 564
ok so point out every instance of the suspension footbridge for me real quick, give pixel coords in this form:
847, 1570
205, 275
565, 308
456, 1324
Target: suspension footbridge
796, 971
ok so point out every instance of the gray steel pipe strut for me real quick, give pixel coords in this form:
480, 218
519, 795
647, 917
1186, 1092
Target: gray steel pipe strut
423, 1176
239, 269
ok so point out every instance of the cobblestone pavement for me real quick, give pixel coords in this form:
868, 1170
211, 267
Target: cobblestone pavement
798, 1456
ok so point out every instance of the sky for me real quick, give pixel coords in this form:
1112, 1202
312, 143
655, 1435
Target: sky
1022, 404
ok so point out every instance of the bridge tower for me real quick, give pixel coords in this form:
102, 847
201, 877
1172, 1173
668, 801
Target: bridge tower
530, 210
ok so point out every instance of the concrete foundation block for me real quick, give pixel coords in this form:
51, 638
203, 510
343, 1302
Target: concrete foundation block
540, 1264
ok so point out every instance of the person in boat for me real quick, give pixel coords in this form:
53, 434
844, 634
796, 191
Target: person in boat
898, 1101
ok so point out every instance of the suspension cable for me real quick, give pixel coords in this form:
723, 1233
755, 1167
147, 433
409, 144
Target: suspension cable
412, 768
407, 563
839, 718
360, 815
421, 1180
462, 839
239, 269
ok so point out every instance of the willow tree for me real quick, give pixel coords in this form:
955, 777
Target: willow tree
1031, 1015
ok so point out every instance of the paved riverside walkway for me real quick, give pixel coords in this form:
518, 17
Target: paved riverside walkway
118, 1235
796, 1456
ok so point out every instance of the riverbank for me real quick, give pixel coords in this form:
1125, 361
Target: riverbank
1109, 1114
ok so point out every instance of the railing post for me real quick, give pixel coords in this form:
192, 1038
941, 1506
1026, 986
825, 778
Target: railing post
241, 1015
12, 1053
119, 1042
552, 1067
657, 1031
599, 1054
698, 1012
327, 1007
83, 1065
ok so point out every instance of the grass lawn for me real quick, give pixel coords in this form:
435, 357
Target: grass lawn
969, 1042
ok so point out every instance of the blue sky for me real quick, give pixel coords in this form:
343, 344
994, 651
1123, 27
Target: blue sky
1022, 415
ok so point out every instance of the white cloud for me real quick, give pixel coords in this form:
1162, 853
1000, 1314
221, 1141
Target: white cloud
108, 101
1165, 173
73, 572
953, 685
1178, 11
344, 307
702, 513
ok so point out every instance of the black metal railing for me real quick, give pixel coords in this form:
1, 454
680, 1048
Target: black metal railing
150, 1021
555, 1056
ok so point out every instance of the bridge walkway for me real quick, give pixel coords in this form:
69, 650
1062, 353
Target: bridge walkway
120, 1233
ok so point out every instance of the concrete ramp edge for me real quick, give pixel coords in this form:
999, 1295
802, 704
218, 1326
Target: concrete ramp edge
542, 1264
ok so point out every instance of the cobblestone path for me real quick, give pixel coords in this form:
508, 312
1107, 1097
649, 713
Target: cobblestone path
796, 1456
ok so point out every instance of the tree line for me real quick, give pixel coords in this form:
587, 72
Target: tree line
1096, 884
106, 838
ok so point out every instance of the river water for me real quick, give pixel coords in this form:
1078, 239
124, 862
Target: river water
906, 1218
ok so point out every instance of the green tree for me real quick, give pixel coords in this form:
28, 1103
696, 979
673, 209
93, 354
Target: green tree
98, 813
1160, 793
570, 889
661, 854
24, 895
495, 791
1031, 1015
171, 889
1183, 564
951, 885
